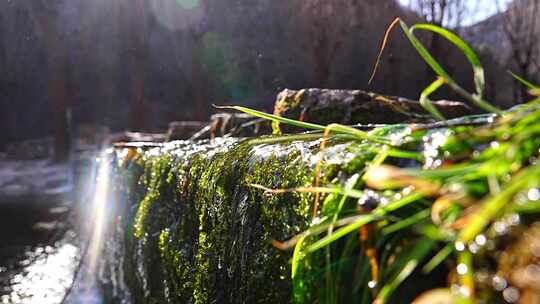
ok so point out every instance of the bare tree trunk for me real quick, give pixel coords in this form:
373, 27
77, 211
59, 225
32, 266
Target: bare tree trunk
522, 30
56, 65
139, 62
322, 60
62, 112
197, 76
325, 32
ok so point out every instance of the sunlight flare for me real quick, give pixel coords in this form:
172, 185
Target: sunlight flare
99, 213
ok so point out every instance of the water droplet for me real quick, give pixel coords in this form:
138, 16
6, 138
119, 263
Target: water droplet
432, 143
460, 246
17, 278
499, 283
369, 201
473, 248
533, 194
513, 219
500, 227
521, 198
455, 187
495, 145
480, 240
511, 294
462, 269
407, 190
372, 284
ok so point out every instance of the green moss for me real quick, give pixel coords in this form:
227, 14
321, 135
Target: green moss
149, 216
199, 232
194, 230
159, 181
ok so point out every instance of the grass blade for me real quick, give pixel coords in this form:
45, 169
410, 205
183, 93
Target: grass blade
275, 118
332, 128
526, 83
478, 70
383, 46
315, 230
438, 258
424, 53
363, 220
297, 257
406, 265
328, 190
329, 239
439, 70
404, 223
426, 102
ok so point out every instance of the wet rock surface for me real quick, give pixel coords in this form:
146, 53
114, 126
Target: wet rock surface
191, 228
191, 223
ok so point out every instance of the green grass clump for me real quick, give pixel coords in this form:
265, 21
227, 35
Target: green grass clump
417, 212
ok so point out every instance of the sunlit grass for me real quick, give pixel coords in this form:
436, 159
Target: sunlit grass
423, 218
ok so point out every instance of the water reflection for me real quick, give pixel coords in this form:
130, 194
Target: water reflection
47, 274
62, 266
53, 275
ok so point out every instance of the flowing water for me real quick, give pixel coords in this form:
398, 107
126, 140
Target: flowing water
41, 243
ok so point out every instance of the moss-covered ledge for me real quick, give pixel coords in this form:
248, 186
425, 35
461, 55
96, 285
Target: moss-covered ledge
193, 229
414, 205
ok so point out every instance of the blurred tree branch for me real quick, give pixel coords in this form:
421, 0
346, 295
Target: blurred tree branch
447, 13
522, 29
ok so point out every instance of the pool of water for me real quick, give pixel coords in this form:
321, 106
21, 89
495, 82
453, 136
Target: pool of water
40, 254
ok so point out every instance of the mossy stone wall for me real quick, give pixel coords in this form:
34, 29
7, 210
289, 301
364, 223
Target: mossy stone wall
191, 228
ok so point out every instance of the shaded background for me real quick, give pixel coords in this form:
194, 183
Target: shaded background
137, 65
